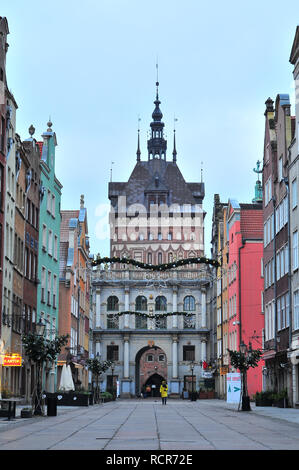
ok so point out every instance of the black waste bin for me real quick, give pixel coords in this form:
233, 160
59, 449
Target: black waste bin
51, 405
193, 396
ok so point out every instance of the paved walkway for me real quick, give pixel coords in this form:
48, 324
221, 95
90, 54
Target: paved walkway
149, 425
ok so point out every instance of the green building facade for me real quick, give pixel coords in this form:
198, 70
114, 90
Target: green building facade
49, 240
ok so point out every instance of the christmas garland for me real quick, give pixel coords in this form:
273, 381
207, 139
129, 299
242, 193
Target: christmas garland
155, 267
153, 315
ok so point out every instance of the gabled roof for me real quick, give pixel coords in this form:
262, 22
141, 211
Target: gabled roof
295, 48
170, 179
251, 222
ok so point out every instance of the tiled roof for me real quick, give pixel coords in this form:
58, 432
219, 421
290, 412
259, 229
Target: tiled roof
65, 220
170, 179
251, 222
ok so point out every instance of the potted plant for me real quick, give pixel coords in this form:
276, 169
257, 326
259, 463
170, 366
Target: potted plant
26, 412
263, 398
203, 393
280, 399
106, 396
97, 367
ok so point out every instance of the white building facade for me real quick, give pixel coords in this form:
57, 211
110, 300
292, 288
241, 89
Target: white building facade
153, 324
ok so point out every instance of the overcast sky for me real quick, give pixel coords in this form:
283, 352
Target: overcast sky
91, 66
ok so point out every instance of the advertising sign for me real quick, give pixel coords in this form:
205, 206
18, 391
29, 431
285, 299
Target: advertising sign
233, 387
12, 360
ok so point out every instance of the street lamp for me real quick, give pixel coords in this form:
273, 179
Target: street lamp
192, 365
112, 371
40, 329
246, 353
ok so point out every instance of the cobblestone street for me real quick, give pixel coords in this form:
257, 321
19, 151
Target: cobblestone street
148, 425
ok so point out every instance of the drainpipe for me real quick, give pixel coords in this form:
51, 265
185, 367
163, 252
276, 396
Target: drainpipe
240, 310
286, 182
275, 274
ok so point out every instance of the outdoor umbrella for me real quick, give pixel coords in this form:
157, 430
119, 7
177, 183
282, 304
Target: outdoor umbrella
66, 379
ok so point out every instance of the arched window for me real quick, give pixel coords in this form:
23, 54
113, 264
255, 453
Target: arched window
189, 303
149, 258
141, 303
112, 303
159, 258
161, 303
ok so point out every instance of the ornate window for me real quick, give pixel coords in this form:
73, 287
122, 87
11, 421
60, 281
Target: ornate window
140, 322
189, 303
112, 303
141, 303
161, 303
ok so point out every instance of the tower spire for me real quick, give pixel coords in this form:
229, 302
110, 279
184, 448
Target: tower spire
174, 153
138, 153
157, 145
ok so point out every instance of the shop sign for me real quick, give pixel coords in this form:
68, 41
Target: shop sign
12, 360
223, 370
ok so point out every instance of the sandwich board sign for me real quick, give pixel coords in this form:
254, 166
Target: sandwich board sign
233, 387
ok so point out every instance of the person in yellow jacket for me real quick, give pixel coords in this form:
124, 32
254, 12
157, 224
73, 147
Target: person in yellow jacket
164, 392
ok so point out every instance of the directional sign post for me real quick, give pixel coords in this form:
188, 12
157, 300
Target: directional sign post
233, 387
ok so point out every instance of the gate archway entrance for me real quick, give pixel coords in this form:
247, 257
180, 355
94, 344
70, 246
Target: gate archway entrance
154, 381
150, 368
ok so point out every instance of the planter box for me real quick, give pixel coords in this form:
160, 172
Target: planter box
263, 402
26, 414
72, 399
281, 403
206, 395
4, 411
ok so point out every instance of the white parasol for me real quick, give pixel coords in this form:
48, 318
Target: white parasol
66, 379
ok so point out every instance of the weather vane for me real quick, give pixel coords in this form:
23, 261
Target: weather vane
257, 169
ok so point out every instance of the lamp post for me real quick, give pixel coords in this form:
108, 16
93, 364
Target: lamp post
112, 372
246, 356
40, 329
193, 398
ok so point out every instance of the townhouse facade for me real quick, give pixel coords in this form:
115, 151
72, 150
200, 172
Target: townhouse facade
293, 185
11, 377
3, 149
49, 239
278, 136
237, 243
30, 270
218, 288
74, 293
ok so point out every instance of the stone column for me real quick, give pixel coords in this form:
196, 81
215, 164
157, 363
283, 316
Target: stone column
203, 308
126, 381
98, 348
127, 307
126, 358
175, 358
175, 383
175, 307
98, 309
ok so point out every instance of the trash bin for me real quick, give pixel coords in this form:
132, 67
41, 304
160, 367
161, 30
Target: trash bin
193, 396
51, 405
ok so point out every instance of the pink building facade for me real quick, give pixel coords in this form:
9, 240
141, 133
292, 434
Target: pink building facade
245, 283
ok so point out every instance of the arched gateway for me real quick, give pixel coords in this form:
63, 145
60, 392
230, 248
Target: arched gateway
150, 369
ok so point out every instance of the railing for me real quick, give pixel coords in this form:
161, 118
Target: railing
180, 274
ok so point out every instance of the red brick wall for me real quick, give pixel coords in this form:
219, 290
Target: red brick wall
148, 368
